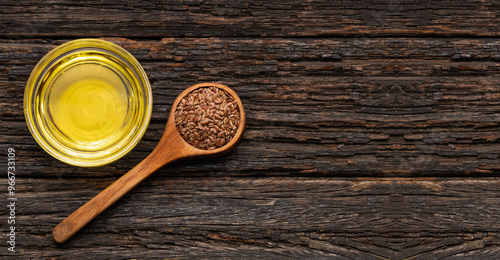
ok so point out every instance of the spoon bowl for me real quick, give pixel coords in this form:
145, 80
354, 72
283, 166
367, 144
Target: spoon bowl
171, 147
174, 141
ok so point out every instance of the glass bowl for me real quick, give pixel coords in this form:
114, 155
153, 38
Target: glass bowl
88, 102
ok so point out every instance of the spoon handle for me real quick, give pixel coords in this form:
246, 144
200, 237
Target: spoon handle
104, 199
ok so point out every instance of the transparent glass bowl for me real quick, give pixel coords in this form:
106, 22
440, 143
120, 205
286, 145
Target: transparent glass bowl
88, 102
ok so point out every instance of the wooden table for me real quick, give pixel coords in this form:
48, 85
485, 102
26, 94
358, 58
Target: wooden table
373, 131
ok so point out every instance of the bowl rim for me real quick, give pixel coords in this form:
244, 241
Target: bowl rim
71, 47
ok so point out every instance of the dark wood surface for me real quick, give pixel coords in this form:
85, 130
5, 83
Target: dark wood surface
372, 132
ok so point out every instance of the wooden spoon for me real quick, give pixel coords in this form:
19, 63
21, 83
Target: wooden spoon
171, 147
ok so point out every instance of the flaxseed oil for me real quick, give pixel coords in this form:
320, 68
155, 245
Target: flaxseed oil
88, 102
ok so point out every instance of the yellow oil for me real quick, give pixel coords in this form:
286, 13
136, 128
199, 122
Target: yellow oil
88, 103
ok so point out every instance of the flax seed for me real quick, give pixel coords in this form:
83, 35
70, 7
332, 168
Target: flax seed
207, 118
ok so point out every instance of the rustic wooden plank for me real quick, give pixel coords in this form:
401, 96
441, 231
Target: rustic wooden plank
28, 18
178, 49
391, 218
421, 107
189, 59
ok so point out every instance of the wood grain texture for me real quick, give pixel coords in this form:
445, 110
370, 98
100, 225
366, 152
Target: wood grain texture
249, 18
372, 130
272, 217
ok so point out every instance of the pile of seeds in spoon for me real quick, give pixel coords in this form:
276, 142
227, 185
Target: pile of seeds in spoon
207, 118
